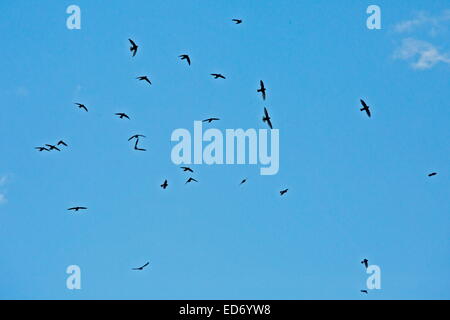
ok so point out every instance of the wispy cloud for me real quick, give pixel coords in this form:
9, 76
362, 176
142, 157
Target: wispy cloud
423, 55
434, 24
3, 198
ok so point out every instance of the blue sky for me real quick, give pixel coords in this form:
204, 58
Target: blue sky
358, 187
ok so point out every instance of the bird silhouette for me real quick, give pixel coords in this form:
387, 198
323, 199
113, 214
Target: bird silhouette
133, 47
243, 181
262, 89
217, 76
266, 118
365, 291
283, 192
52, 147
141, 268
432, 174
190, 180
42, 149
60, 142
77, 208
136, 136
144, 78
122, 115
82, 106
237, 21
211, 120
186, 57
365, 262
365, 108
164, 185
187, 169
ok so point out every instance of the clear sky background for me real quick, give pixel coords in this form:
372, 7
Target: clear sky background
358, 187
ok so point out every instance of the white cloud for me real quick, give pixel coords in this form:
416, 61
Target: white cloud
2, 198
423, 55
3, 180
435, 24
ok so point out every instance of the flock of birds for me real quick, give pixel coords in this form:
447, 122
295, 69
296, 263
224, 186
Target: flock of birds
266, 118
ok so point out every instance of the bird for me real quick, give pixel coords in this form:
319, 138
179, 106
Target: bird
283, 192
52, 147
365, 291
42, 149
190, 180
133, 47
262, 89
238, 21
243, 181
187, 169
136, 147
122, 115
365, 262
145, 78
82, 106
432, 174
266, 118
217, 76
141, 268
60, 142
365, 108
210, 120
136, 136
186, 57
77, 208
164, 185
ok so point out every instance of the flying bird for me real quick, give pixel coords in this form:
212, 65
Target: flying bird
365, 108
82, 106
365, 291
366, 263
136, 136
122, 115
52, 147
144, 78
141, 268
211, 120
432, 174
283, 192
133, 47
187, 169
217, 76
243, 181
164, 185
60, 142
41, 149
186, 57
238, 21
77, 208
262, 89
190, 180
266, 118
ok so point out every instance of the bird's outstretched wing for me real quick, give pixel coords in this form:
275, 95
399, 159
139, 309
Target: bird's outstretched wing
132, 43
363, 103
